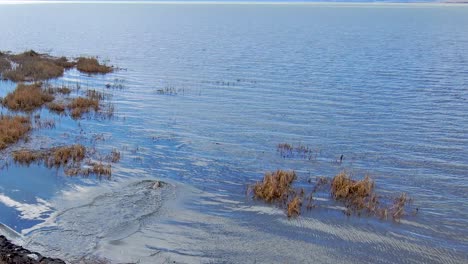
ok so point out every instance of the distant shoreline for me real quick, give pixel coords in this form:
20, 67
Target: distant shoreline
176, 2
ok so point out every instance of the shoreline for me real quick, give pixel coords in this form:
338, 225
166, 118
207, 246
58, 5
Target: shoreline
13, 253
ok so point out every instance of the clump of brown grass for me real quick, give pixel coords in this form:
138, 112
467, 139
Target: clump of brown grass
343, 187
32, 66
92, 65
100, 169
64, 155
26, 157
56, 107
294, 207
67, 157
275, 185
359, 196
94, 168
354, 193
397, 210
81, 105
34, 71
54, 157
12, 129
27, 97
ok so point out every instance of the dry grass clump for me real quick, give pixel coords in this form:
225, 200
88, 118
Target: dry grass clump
64, 155
354, 193
27, 97
92, 65
32, 66
343, 187
275, 185
12, 129
397, 210
54, 157
359, 196
81, 105
56, 107
34, 71
69, 158
26, 157
98, 169
294, 207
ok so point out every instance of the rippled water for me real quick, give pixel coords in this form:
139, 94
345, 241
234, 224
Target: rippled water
386, 86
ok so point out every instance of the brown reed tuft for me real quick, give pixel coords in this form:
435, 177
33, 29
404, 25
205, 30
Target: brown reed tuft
81, 105
92, 65
294, 207
32, 66
12, 129
27, 97
275, 185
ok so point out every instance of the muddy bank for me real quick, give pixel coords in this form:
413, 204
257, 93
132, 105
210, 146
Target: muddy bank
11, 253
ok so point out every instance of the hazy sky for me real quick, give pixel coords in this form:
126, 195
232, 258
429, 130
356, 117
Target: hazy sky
399, 1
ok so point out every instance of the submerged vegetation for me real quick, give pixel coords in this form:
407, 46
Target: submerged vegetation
287, 150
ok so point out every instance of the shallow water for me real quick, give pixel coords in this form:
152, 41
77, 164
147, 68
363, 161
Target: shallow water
386, 86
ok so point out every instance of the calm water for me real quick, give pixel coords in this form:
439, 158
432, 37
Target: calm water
386, 86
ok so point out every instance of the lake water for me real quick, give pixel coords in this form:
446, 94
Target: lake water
384, 85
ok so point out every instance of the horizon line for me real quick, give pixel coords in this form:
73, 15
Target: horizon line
239, 2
